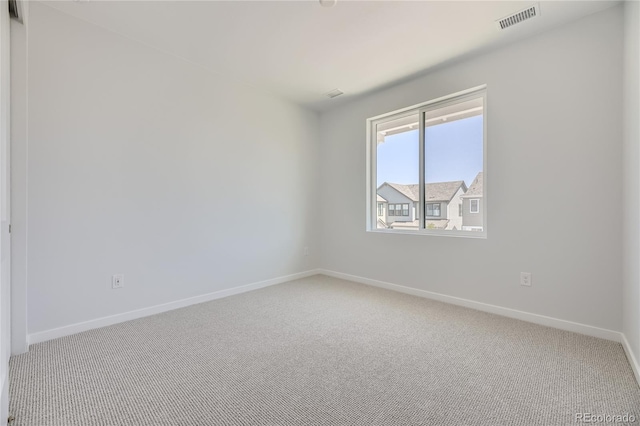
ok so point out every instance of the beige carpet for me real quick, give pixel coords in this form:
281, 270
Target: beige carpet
321, 351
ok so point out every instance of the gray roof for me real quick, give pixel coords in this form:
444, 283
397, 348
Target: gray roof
443, 191
437, 224
438, 191
381, 200
414, 224
475, 190
409, 191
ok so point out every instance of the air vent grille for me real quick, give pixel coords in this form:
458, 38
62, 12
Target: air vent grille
516, 18
334, 93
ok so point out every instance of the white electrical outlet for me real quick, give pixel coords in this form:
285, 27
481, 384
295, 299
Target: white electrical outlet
525, 279
117, 281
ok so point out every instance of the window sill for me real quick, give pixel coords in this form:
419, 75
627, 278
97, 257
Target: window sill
427, 232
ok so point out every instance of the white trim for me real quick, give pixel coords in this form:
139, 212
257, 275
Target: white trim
370, 222
5, 206
485, 307
461, 233
439, 209
635, 365
19, 190
498, 310
421, 110
55, 333
477, 200
441, 99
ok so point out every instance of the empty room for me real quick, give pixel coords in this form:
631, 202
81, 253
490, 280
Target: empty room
319, 212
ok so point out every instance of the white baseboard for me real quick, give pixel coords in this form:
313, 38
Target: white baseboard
633, 360
499, 310
43, 336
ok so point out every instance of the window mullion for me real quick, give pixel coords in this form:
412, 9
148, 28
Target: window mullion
373, 171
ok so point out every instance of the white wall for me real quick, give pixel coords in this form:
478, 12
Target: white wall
19, 111
136, 157
144, 164
5, 291
631, 195
554, 126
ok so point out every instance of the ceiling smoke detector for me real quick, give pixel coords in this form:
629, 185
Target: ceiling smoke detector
516, 18
328, 3
334, 93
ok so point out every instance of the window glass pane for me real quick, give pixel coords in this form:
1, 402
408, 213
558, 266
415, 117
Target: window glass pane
453, 160
475, 206
397, 168
433, 210
450, 170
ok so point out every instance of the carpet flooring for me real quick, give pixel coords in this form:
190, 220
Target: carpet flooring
321, 351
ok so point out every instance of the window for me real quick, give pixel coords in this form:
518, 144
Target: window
433, 154
433, 209
398, 209
474, 206
380, 209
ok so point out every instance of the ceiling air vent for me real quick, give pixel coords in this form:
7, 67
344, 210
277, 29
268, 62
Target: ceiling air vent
516, 18
334, 93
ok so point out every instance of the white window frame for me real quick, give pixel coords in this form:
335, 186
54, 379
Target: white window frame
421, 110
439, 210
477, 209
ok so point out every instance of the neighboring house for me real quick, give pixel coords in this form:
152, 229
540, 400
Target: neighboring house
398, 205
472, 206
441, 203
382, 212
